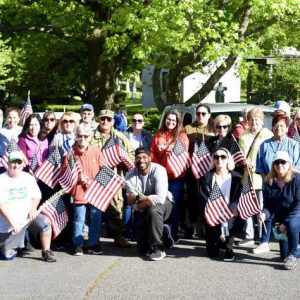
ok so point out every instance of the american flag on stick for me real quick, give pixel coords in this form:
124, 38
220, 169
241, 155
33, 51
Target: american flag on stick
295, 136
55, 209
104, 187
50, 169
70, 176
26, 110
248, 202
111, 152
12, 146
125, 157
232, 146
217, 210
178, 159
201, 159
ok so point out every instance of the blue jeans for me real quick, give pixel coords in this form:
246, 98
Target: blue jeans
80, 211
265, 236
291, 245
127, 217
176, 187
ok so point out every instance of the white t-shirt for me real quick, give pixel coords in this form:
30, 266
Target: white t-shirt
11, 133
16, 195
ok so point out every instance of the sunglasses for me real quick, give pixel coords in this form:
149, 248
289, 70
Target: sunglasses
203, 114
137, 121
80, 136
222, 126
17, 161
105, 118
216, 157
49, 119
279, 162
68, 121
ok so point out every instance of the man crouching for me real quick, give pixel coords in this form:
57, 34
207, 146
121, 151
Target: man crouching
147, 192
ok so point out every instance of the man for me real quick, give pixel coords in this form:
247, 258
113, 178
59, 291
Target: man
87, 115
102, 135
198, 130
147, 191
20, 197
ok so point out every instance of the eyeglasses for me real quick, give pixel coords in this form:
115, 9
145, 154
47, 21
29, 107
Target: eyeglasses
49, 119
216, 157
137, 121
222, 126
200, 113
68, 121
279, 162
105, 118
80, 136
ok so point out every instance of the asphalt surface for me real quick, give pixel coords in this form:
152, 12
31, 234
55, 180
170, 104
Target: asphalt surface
120, 274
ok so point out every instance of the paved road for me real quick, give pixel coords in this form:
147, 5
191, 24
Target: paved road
119, 274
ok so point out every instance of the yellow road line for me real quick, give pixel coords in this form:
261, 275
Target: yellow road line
102, 276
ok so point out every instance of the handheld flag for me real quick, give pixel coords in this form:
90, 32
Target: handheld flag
201, 159
26, 110
111, 152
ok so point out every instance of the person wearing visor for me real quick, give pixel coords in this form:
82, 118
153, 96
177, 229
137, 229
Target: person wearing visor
20, 198
282, 206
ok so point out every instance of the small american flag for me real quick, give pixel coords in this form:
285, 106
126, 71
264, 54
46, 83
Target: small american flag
111, 152
232, 146
70, 177
125, 157
178, 159
12, 146
248, 203
201, 159
296, 135
217, 210
54, 208
104, 187
26, 111
50, 169
34, 164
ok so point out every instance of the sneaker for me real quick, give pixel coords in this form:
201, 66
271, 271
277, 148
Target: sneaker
247, 242
121, 242
229, 255
167, 236
290, 262
28, 248
9, 254
157, 254
262, 248
48, 256
78, 251
96, 249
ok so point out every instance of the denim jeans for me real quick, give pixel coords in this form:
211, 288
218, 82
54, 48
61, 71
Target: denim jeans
291, 245
93, 214
265, 236
176, 187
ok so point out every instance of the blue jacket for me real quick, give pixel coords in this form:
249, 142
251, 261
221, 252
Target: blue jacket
282, 205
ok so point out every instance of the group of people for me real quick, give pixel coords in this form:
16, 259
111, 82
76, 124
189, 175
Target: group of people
162, 193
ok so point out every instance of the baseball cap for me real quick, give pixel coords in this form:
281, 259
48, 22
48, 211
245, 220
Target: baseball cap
141, 150
283, 155
283, 106
15, 155
86, 106
106, 113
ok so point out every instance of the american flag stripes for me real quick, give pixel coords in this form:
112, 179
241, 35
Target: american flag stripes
26, 111
125, 157
232, 146
248, 203
54, 208
201, 159
50, 169
178, 159
111, 152
104, 187
70, 176
217, 210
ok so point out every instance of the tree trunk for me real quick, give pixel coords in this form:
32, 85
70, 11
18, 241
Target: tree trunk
174, 85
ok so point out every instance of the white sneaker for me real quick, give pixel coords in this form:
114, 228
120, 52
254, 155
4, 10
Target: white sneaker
246, 242
262, 248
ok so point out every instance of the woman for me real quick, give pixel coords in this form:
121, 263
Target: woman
65, 139
49, 125
230, 185
279, 142
90, 160
282, 204
171, 132
294, 131
31, 143
249, 143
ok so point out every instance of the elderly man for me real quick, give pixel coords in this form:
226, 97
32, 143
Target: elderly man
20, 197
87, 115
147, 191
197, 131
102, 136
